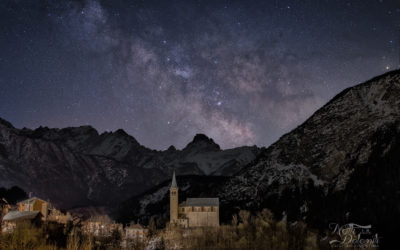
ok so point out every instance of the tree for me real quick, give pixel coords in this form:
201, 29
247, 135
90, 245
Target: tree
161, 244
116, 237
152, 227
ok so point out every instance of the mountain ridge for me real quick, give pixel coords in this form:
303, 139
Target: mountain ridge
111, 164
340, 165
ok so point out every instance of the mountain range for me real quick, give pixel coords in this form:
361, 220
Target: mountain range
77, 166
342, 165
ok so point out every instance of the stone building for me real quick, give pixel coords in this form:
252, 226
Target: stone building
194, 212
135, 231
48, 211
34, 210
34, 204
13, 218
101, 226
58, 216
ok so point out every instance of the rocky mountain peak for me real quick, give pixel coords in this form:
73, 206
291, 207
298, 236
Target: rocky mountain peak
203, 142
121, 136
77, 166
121, 132
171, 148
332, 144
201, 137
5, 123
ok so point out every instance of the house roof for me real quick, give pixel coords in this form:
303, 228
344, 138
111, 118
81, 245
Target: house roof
20, 215
135, 226
30, 200
104, 219
193, 202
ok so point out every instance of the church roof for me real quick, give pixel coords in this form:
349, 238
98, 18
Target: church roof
193, 202
173, 184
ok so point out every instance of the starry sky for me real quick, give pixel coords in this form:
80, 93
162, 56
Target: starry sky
242, 72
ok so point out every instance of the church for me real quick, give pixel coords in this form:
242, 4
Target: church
194, 212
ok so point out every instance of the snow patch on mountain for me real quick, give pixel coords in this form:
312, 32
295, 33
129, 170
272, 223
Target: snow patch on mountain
221, 162
153, 198
101, 169
328, 147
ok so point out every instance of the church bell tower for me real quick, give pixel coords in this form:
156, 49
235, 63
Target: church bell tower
173, 201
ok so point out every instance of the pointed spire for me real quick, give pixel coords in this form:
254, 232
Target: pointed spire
173, 184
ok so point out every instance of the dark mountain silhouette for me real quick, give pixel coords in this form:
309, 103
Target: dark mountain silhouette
77, 166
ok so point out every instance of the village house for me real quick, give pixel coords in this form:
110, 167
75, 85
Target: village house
34, 210
13, 218
34, 204
194, 212
56, 215
101, 226
48, 211
135, 231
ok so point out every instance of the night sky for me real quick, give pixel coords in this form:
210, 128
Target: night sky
242, 72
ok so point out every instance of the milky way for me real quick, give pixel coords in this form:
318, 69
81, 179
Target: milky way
242, 72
